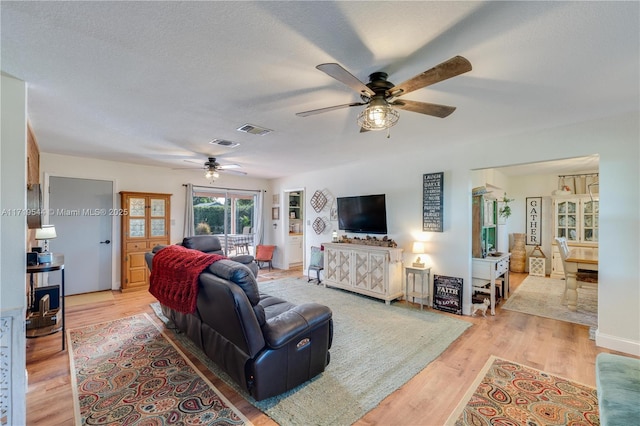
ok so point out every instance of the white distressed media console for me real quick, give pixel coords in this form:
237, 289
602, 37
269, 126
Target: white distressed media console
370, 270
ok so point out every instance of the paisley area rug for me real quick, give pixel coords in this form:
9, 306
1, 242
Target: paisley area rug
507, 393
543, 297
126, 372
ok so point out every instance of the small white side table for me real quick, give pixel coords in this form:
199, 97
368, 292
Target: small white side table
424, 274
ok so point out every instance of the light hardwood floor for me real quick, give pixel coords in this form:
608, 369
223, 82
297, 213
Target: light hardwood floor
553, 346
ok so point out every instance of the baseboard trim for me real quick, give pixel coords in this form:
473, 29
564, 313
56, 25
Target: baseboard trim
615, 343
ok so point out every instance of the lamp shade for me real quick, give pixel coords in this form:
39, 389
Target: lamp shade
418, 247
47, 232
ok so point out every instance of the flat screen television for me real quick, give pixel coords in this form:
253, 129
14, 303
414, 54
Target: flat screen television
365, 214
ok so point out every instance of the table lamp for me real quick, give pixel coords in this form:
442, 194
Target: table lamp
418, 248
46, 233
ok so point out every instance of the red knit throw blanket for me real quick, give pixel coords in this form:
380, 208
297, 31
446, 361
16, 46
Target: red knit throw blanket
174, 276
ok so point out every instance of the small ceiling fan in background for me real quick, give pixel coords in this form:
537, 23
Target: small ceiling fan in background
212, 168
380, 95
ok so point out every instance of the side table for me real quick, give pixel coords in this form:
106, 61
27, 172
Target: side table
424, 274
57, 264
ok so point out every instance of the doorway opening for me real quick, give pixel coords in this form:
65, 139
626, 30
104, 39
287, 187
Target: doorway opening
294, 229
568, 194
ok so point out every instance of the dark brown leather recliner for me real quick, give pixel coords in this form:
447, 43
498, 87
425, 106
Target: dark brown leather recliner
266, 344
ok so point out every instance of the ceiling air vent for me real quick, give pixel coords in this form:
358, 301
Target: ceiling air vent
254, 130
225, 143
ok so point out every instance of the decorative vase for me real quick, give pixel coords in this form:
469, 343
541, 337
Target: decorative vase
518, 253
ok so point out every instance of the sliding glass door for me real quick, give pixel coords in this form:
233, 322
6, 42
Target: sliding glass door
230, 214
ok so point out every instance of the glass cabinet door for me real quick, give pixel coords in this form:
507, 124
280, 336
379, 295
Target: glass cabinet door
566, 212
590, 211
158, 219
137, 217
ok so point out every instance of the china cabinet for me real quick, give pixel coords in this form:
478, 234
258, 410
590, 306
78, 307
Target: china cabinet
575, 218
145, 224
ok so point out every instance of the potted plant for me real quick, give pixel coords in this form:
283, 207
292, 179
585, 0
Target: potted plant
505, 209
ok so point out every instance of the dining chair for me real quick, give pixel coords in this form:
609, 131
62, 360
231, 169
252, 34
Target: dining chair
563, 248
243, 245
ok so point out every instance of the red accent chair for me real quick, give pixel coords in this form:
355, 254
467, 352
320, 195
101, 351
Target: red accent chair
264, 254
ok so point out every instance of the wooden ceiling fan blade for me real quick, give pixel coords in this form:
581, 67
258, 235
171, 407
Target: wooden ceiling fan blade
451, 68
327, 109
343, 76
434, 110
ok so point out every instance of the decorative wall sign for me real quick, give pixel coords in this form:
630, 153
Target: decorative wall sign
533, 223
432, 201
447, 294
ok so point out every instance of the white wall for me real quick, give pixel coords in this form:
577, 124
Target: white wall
13, 246
615, 139
131, 177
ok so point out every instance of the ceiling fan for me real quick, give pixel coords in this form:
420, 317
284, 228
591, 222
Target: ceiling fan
380, 95
212, 168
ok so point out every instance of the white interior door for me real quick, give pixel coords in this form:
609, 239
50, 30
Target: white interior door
80, 211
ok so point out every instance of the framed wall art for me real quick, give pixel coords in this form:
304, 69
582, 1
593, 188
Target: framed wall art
432, 201
275, 213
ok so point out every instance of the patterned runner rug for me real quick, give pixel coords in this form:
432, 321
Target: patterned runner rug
507, 393
127, 372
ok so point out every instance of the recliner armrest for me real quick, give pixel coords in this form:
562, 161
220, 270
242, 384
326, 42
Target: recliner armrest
288, 326
245, 259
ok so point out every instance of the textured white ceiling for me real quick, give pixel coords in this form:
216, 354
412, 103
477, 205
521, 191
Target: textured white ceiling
154, 82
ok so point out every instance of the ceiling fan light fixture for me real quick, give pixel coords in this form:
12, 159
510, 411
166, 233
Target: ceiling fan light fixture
212, 174
378, 115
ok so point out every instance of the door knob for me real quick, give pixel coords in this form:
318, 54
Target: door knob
105, 242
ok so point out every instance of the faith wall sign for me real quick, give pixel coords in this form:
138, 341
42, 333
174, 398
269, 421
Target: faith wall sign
534, 221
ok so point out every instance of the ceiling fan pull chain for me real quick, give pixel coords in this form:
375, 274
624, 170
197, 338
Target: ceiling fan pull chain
388, 132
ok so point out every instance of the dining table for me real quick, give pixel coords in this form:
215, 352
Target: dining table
578, 258
236, 243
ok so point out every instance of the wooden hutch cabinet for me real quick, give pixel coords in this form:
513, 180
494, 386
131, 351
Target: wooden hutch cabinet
145, 224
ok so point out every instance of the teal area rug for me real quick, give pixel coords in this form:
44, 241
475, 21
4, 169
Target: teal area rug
376, 349
543, 297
